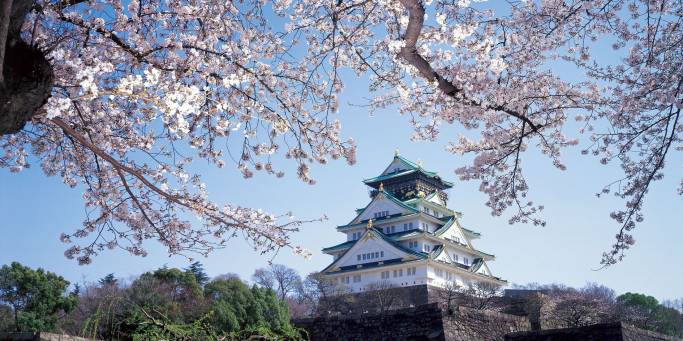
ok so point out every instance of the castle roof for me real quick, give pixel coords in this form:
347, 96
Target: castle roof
402, 167
369, 233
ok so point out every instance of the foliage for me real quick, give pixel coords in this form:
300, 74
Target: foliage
237, 307
197, 269
35, 297
646, 312
562, 306
169, 304
109, 279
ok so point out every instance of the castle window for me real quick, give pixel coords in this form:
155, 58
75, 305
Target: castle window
400, 272
381, 214
356, 278
410, 225
364, 255
376, 254
381, 254
412, 244
456, 258
410, 271
358, 256
405, 227
385, 274
467, 261
393, 228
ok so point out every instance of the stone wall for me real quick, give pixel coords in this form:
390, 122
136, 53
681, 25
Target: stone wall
617, 331
375, 301
466, 324
425, 322
421, 323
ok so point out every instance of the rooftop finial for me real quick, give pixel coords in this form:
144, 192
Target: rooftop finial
419, 163
396, 152
381, 187
369, 225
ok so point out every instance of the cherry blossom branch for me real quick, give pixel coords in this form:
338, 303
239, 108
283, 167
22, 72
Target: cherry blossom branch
410, 54
71, 132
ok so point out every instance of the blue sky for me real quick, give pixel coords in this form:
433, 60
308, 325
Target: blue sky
35, 209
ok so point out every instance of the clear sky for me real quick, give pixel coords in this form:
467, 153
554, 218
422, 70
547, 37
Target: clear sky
34, 210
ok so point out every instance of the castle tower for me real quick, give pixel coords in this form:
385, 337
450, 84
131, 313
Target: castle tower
407, 236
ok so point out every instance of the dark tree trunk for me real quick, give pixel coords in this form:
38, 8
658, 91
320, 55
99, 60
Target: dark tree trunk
27, 77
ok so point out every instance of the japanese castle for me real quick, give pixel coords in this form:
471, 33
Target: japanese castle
406, 236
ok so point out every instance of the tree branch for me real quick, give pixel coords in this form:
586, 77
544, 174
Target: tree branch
409, 54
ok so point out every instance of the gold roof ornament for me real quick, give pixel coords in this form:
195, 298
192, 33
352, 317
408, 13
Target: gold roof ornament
396, 152
381, 186
369, 226
421, 194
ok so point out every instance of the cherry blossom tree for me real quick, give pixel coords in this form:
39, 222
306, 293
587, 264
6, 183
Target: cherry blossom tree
140, 89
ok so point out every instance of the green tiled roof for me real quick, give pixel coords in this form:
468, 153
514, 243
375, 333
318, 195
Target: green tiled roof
391, 198
476, 264
377, 221
445, 227
399, 246
470, 231
412, 167
340, 246
419, 255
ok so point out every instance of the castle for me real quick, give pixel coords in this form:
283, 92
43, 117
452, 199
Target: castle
407, 236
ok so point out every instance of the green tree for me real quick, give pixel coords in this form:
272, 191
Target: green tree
197, 269
646, 312
108, 280
236, 308
34, 296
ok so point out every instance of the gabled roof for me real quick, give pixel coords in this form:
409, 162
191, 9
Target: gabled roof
476, 264
340, 246
374, 232
379, 196
377, 221
425, 201
394, 237
447, 226
473, 233
408, 167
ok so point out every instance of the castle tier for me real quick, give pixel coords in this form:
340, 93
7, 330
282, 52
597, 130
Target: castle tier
407, 236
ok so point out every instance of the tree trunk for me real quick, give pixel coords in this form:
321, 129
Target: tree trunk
27, 77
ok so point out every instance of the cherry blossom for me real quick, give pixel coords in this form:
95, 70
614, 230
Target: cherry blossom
144, 88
